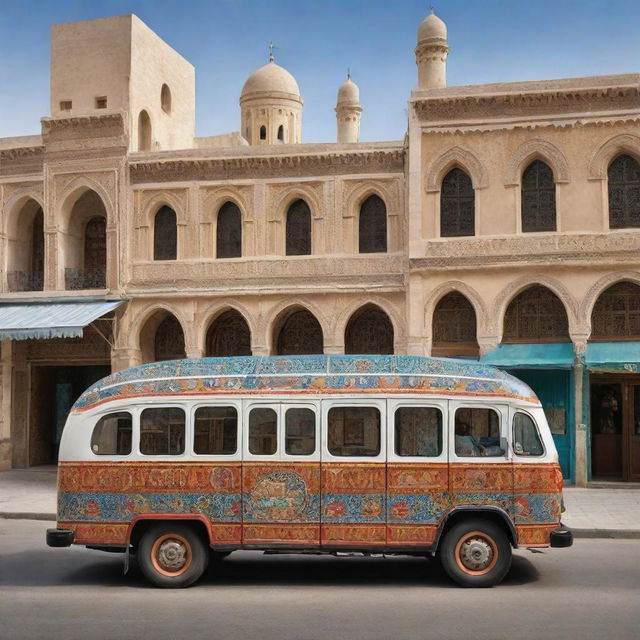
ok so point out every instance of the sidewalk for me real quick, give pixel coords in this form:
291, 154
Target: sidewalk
593, 512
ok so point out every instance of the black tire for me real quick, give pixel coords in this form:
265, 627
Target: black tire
476, 553
172, 555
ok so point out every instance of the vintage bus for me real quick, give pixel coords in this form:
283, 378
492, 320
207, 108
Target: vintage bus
181, 461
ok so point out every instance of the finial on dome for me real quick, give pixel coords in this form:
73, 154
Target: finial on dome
271, 48
348, 73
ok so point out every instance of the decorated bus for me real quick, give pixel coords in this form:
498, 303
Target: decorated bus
182, 461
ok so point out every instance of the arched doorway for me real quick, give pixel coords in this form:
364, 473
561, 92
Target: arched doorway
369, 331
454, 328
25, 260
615, 397
162, 338
298, 333
229, 335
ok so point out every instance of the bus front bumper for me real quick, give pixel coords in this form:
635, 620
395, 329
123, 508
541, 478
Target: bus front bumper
60, 537
561, 537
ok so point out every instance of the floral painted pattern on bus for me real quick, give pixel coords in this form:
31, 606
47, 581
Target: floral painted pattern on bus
307, 375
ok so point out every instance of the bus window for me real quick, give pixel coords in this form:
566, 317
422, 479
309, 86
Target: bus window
215, 431
112, 435
354, 431
162, 431
477, 432
526, 441
418, 431
300, 432
263, 432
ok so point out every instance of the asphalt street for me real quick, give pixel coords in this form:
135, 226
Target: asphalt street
588, 591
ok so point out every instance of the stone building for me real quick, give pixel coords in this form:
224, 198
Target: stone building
505, 227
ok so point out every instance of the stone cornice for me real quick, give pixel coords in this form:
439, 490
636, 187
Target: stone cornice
526, 100
83, 122
570, 249
268, 166
21, 161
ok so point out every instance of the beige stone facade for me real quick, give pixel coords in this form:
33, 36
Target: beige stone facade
117, 199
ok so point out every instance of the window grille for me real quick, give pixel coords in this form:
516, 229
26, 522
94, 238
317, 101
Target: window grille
457, 205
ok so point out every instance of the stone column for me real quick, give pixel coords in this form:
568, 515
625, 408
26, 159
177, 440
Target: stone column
580, 387
5, 406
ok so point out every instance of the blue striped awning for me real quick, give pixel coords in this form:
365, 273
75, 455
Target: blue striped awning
50, 319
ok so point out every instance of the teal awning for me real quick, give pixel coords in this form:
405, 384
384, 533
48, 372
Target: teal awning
617, 355
41, 320
531, 355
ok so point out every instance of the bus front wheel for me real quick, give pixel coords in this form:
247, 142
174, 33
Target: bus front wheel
476, 553
172, 555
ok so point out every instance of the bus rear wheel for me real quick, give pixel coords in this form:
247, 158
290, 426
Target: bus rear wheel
172, 555
476, 553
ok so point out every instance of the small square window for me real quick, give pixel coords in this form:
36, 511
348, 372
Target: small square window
101, 102
65, 105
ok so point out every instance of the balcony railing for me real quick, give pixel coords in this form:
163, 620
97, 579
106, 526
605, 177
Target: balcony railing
25, 280
85, 279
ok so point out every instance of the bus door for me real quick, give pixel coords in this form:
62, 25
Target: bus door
281, 474
417, 471
480, 465
353, 473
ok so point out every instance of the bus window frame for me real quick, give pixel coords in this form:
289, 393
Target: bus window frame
393, 405
295, 457
218, 457
522, 457
165, 457
503, 411
375, 402
247, 407
133, 410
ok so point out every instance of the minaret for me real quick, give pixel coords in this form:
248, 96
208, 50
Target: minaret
348, 110
431, 53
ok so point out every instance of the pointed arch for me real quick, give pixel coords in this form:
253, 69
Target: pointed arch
536, 315
228, 335
456, 157
297, 332
538, 197
624, 192
372, 225
25, 246
454, 327
161, 337
620, 144
616, 313
457, 205
536, 149
369, 331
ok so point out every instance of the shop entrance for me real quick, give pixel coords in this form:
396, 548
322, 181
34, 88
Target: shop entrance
615, 428
54, 389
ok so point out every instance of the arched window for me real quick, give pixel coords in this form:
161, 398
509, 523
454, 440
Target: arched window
165, 98
536, 315
454, 327
25, 248
616, 314
165, 235
144, 131
37, 251
372, 226
229, 231
169, 340
95, 253
263, 132
281, 133
300, 334
369, 331
229, 335
298, 232
538, 193
457, 205
624, 192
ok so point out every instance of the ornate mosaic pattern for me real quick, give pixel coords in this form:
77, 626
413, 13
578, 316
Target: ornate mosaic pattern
306, 374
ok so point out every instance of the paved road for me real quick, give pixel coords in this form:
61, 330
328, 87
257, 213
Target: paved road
588, 591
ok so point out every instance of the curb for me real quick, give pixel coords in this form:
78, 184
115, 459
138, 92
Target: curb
619, 534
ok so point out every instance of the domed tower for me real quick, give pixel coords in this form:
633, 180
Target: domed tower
271, 106
431, 53
348, 110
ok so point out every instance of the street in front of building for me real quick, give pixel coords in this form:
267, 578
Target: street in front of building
587, 591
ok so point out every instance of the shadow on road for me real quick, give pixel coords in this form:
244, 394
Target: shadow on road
65, 568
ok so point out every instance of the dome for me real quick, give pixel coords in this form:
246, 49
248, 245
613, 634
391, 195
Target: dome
432, 29
271, 78
349, 94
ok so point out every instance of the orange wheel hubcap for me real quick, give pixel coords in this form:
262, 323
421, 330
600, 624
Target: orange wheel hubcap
171, 555
476, 553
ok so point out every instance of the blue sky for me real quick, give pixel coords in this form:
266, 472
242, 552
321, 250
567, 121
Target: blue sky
491, 41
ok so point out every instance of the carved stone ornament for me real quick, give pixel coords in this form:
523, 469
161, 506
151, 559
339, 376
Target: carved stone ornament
102, 182
624, 143
533, 149
456, 157
212, 198
149, 201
